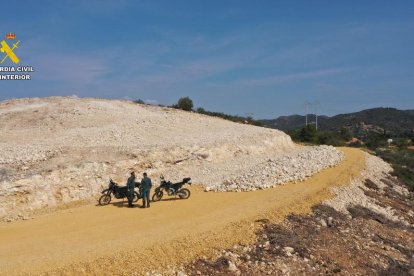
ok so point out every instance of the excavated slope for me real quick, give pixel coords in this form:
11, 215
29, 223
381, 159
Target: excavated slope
59, 150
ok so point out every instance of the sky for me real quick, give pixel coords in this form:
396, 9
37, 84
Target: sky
261, 58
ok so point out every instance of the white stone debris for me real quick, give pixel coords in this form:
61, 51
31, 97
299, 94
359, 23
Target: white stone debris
60, 150
283, 169
353, 195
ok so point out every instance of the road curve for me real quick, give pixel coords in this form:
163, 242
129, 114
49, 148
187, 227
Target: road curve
117, 240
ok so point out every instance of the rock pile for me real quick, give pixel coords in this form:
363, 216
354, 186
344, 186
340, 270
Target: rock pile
356, 194
283, 169
56, 151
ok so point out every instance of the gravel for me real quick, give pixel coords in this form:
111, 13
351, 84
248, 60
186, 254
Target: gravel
283, 169
355, 194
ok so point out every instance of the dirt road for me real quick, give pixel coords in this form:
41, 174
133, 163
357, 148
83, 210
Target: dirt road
117, 240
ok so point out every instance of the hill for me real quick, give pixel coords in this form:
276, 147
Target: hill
390, 120
291, 122
58, 150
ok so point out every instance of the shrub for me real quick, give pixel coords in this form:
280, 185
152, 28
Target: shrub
345, 133
185, 104
330, 138
201, 110
356, 144
309, 134
401, 142
139, 101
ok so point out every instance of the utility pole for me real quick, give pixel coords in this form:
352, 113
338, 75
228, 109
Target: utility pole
313, 107
307, 104
316, 106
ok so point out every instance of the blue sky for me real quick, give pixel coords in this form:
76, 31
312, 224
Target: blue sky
260, 57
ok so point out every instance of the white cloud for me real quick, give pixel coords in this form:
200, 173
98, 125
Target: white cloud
262, 81
152, 102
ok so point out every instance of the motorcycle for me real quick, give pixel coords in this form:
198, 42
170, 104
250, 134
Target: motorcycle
118, 192
172, 189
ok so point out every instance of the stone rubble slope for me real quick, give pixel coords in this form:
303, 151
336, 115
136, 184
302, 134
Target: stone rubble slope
59, 150
283, 169
354, 194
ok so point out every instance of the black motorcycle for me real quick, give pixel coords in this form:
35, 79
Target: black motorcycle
172, 189
118, 192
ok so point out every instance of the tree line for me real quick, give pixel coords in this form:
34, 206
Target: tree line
186, 104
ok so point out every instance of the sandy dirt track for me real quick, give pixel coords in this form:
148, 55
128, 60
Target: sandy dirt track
116, 240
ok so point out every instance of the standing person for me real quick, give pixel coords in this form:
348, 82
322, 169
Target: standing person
145, 190
131, 187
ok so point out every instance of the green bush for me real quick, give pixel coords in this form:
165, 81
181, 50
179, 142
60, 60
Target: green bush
201, 110
376, 140
402, 161
345, 134
330, 138
139, 101
309, 134
185, 104
233, 118
401, 142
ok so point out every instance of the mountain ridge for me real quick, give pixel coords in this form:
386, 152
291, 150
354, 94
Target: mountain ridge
380, 119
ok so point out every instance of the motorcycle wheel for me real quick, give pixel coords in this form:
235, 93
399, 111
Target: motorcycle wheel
157, 196
104, 200
136, 197
184, 193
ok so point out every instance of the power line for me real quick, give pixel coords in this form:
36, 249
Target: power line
316, 105
306, 105
312, 106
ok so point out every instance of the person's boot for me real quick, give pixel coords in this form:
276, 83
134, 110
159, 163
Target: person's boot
148, 205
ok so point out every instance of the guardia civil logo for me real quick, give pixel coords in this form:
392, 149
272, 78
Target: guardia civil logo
5, 48
8, 48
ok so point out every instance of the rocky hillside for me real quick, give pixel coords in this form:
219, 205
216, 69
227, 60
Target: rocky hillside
59, 150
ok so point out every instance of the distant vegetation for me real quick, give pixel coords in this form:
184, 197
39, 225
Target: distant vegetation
370, 129
397, 123
187, 104
139, 101
233, 118
309, 134
402, 161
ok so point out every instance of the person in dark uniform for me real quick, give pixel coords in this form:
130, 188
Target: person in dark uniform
145, 191
131, 187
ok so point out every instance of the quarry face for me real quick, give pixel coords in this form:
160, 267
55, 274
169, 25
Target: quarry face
60, 150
